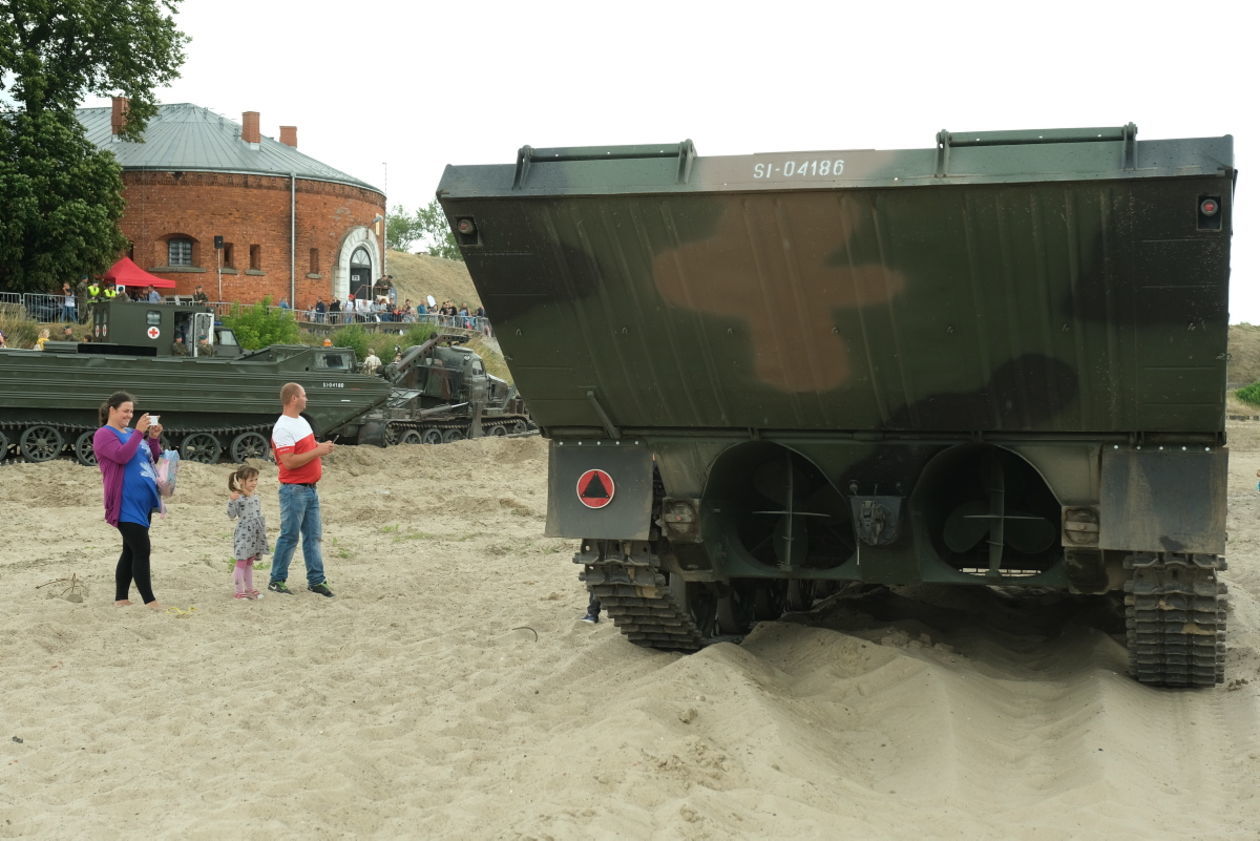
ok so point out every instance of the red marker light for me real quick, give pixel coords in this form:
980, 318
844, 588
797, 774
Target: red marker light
1209, 207
465, 226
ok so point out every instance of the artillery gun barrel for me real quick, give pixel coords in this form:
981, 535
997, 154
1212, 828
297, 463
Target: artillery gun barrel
442, 410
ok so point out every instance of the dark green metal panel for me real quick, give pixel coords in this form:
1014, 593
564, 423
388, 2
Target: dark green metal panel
1011, 285
626, 503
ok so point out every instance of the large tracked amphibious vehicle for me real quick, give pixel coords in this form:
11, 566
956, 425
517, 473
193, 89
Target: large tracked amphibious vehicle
997, 361
216, 401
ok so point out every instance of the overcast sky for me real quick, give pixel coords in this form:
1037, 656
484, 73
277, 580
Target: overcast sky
390, 92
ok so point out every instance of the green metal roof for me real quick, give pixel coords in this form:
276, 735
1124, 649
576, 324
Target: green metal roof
191, 138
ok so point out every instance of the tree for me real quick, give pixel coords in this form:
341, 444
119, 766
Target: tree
260, 325
63, 197
428, 224
401, 229
62, 203
436, 232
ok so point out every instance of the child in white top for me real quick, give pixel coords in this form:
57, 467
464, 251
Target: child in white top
250, 539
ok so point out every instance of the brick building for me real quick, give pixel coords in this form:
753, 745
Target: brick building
215, 203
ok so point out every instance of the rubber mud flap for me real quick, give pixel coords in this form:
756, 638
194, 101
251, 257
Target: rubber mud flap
599, 489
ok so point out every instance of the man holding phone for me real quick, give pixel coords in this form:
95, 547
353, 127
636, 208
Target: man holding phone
298, 457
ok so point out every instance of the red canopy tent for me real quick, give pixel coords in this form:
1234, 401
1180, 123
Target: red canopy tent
127, 273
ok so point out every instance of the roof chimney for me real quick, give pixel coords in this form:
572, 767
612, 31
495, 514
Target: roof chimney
249, 128
288, 136
118, 115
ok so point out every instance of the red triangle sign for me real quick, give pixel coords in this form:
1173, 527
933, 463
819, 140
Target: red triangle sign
595, 488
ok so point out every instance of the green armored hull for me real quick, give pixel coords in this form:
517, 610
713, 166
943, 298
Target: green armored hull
210, 407
1000, 360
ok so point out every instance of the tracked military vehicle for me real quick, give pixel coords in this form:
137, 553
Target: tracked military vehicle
442, 393
996, 361
215, 400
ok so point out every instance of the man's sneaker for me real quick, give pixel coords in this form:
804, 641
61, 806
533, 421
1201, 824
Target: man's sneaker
591, 617
279, 587
321, 588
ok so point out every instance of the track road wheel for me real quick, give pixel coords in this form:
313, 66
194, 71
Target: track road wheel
41, 443
519, 427
83, 450
737, 609
249, 445
699, 601
453, 435
497, 431
767, 598
431, 436
4, 445
411, 436
800, 596
201, 447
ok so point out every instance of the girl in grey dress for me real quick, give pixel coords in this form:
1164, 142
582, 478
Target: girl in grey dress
250, 540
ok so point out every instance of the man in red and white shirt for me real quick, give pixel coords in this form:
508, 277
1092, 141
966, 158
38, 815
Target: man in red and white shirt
298, 456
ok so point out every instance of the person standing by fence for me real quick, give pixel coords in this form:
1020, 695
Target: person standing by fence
69, 305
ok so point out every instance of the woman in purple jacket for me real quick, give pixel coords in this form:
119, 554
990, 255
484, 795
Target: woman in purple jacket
131, 494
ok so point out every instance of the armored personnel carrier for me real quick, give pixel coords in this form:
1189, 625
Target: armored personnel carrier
215, 400
996, 361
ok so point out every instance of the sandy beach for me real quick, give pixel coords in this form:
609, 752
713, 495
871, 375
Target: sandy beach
449, 690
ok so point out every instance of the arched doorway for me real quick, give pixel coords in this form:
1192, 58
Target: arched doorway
361, 273
356, 255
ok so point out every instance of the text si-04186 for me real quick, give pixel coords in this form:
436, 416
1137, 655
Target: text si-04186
807, 168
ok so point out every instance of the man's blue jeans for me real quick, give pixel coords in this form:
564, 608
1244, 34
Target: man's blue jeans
299, 514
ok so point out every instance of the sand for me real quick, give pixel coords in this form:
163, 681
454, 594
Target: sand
449, 691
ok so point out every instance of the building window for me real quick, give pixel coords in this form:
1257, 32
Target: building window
255, 258
314, 261
229, 259
179, 252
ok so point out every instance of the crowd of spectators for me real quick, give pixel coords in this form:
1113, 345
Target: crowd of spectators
70, 305
382, 309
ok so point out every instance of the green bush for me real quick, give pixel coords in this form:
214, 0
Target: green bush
1249, 394
258, 326
417, 334
353, 336
19, 331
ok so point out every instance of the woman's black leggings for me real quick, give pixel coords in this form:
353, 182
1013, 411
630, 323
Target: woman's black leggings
133, 563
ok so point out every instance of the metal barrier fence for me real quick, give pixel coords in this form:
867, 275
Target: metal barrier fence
372, 320
56, 308
39, 307
471, 323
